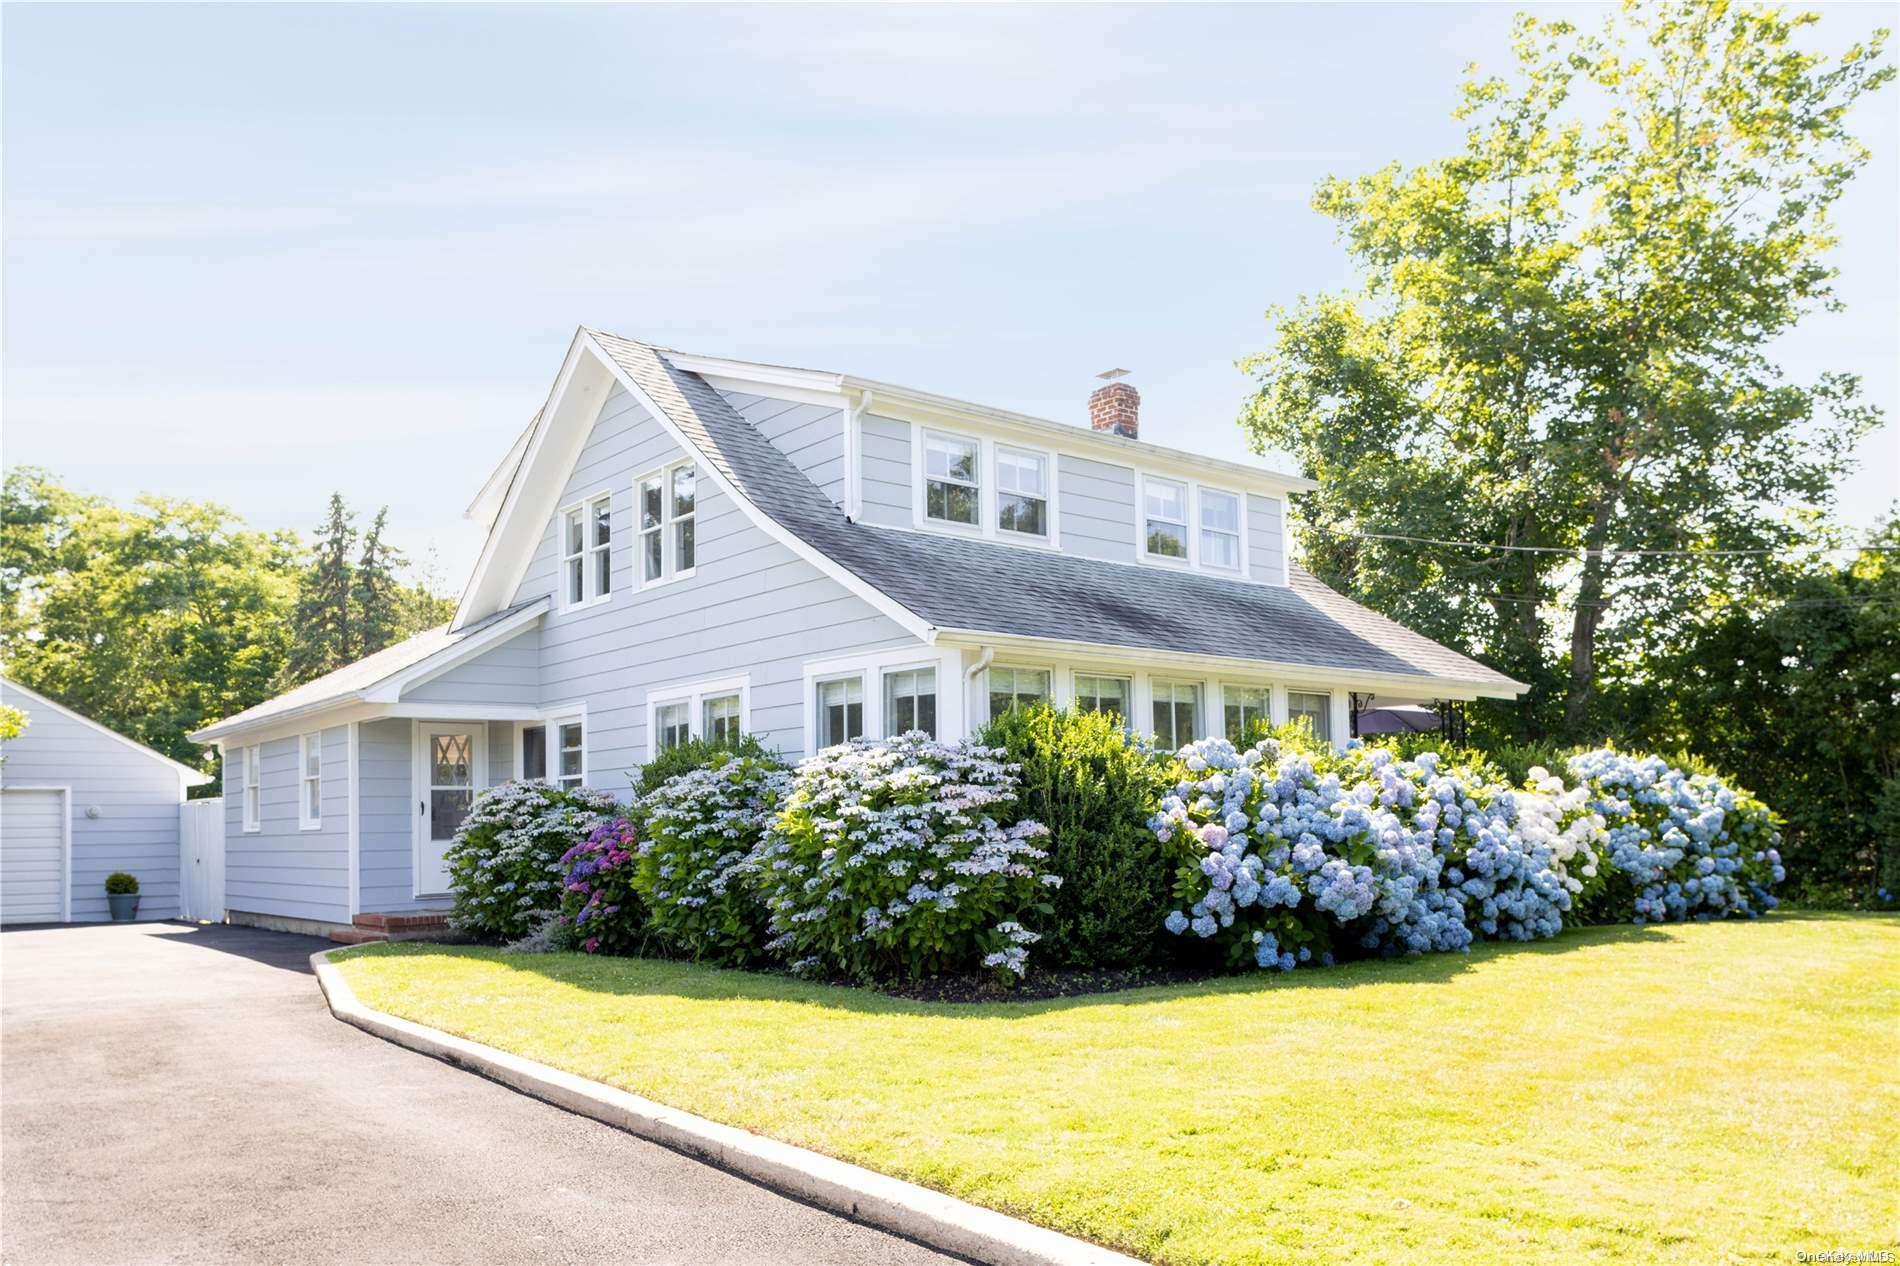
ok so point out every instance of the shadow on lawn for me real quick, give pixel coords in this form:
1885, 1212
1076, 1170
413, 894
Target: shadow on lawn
655, 977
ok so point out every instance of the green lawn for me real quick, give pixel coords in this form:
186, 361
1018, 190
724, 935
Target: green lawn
1708, 1093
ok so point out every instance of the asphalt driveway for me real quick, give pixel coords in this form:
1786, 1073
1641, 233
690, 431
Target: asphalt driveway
180, 1093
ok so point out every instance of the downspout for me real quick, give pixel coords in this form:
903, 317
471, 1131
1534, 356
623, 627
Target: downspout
853, 484
969, 682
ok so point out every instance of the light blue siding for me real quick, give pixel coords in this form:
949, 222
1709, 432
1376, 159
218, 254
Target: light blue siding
281, 868
884, 448
1266, 550
752, 607
386, 803
509, 673
1096, 508
136, 797
810, 434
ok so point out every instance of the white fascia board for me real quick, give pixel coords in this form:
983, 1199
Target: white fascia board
391, 688
487, 502
754, 376
1280, 670
195, 777
899, 614
908, 405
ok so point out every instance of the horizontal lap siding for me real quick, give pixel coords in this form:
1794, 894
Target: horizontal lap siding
1266, 550
136, 797
509, 673
281, 868
1096, 508
810, 434
751, 607
885, 450
387, 804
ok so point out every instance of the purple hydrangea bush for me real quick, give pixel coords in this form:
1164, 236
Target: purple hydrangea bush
504, 862
887, 859
598, 900
1680, 845
699, 855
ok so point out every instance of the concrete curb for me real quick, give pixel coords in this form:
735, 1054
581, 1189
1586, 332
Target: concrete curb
890, 1204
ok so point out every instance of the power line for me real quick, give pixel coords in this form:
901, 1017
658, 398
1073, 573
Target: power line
1607, 551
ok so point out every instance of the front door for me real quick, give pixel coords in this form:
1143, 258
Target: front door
451, 764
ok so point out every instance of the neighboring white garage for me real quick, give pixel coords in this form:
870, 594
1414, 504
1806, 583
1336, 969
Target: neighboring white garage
77, 802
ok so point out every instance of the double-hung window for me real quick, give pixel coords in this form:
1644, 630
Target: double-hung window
1245, 707
310, 782
1177, 707
1164, 505
1316, 708
1095, 693
840, 710
587, 555
253, 791
672, 724
572, 754
719, 721
952, 492
1022, 492
714, 711
1220, 530
666, 508
910, 701
1017, 688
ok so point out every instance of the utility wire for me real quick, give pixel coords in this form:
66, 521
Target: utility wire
1607, 551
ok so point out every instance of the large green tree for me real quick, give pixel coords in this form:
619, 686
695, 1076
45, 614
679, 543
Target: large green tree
1563, 341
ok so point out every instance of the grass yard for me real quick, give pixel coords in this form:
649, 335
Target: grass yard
1703, 1093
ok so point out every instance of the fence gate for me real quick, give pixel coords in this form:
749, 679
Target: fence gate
201, 860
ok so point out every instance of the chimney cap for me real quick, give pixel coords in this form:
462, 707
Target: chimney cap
1112, 374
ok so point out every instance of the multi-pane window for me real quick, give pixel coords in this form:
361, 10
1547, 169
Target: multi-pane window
601, 545
573, 754
1245, 706
720, 718
534, 751
1177, 706
253, 791
587, 556
682, 512
840, 710
672, 724
1101, 694
951, 491
1165, 504
1017, 688
665, 510
910, 701
1316, 708
1022, 492
310, 785
1220, 530
573, 560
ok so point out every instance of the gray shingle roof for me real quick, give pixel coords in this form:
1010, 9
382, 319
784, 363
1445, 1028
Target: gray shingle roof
365, 673
1009, 591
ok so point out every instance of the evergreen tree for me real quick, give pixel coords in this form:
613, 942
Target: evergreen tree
322, 639
376, 594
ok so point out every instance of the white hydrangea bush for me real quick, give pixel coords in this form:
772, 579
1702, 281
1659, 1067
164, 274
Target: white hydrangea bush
888, 860
504, 862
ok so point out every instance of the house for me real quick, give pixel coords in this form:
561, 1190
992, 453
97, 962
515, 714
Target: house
77, 802
686, 545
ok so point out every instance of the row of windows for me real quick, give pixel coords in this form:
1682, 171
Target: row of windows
309, 784
665, 507
570, 753
1182, 522
1176, 706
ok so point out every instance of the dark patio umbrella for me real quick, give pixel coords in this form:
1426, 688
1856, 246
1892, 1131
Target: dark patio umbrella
1399, 718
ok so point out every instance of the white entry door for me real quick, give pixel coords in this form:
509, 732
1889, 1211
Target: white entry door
449, 772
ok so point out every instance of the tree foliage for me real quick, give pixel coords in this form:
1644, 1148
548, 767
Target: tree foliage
1563, 341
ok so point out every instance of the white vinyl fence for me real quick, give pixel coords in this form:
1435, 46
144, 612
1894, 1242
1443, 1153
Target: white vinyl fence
201, 860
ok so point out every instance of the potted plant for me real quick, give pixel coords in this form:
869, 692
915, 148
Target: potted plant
122, 894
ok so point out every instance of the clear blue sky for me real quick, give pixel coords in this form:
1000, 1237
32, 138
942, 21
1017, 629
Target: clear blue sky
257, 253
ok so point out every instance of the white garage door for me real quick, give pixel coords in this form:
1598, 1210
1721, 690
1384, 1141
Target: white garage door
32, 856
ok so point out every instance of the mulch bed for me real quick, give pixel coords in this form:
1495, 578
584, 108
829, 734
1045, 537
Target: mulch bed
1043, 984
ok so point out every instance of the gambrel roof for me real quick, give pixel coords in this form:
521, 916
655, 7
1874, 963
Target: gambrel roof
940, 585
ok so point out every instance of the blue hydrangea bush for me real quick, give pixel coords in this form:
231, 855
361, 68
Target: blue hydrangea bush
1679, 845
698, 857
887, 860
504, 862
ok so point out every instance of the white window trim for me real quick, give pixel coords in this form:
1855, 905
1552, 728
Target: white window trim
1055, 698
1231, 682
591, 597
985, 525
552, 718
812, 708
1114, 674
1191, 495
554, 725
1142, 551
669, 549
954, 714
253, 774
694, 696
1048, 456
305, 744
1240, 531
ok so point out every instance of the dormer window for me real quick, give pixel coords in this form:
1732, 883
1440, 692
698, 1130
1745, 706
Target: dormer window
952, 493
1022, 492
1164, 503
1220, 530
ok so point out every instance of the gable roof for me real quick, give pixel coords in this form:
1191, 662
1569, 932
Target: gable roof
975, 587
193, 777
429, 651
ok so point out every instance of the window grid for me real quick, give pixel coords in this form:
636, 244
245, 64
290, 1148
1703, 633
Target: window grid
952, 492
253, 790
600, 514
910, 701
572, 754
310, 786
574, 565
1164, 507
1022, 492
652, 515
720, 720
1220, 530
682, 508
840, 710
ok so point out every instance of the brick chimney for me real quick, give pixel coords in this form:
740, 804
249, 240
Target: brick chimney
1116, 408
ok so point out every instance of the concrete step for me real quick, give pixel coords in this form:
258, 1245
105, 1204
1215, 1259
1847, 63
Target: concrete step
357, 936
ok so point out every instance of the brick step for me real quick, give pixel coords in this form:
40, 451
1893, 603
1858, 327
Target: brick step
357, 936
414, 921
